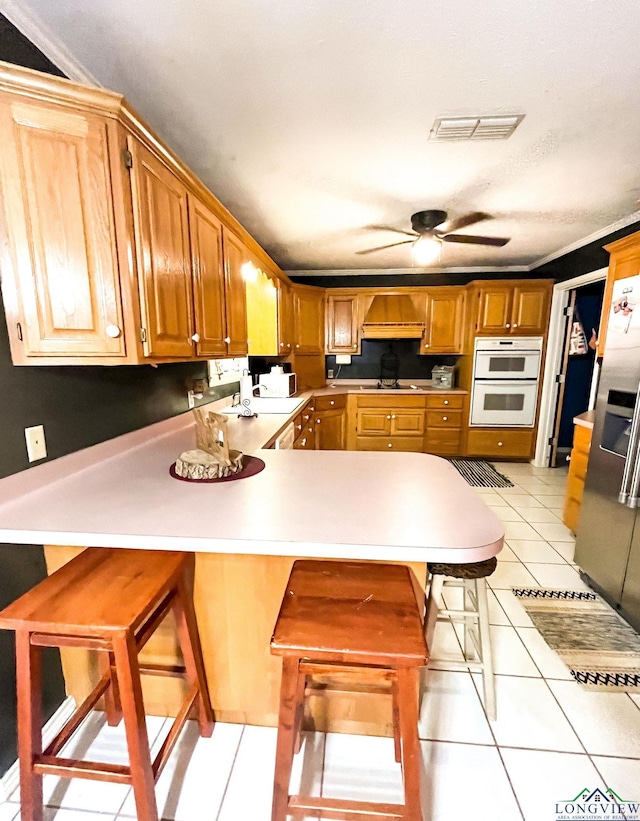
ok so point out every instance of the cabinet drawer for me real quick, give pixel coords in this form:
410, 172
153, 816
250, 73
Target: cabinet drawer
500, 443
444, 419
402, 443
305, 440
578, 464
448, 401
390, 402
443, 441
335, 402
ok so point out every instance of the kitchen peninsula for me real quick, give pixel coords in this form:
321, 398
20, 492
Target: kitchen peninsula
403, 507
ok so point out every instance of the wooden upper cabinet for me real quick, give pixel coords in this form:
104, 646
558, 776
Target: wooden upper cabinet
60, 267
163, 255
342, 324
286, 328
494, 310
235, 256
205, 231
444, 317
309, 319
530, 312
520, 308
262, 313
624, 262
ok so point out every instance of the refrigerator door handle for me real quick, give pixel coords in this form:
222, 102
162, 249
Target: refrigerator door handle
632, 462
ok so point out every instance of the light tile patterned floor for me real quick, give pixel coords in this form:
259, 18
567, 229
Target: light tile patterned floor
551, 738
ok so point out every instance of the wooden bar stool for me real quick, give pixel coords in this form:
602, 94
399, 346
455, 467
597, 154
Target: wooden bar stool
352, 617
474, 615
110, 601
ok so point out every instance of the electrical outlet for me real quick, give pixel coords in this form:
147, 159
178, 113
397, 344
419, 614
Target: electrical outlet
330, 373
36, 444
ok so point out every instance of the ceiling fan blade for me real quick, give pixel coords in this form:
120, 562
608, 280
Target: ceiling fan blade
391, 228
462, 222
469, 240
382, 247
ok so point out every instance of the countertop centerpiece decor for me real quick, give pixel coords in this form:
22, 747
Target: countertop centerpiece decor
212, 458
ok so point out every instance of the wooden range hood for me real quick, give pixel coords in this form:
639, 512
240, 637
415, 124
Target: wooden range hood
392, 316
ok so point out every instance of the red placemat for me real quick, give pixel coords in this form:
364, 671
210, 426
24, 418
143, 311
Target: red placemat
251, 466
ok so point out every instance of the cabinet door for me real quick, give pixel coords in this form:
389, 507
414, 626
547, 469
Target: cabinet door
262, 314
494, 310
285, 319
58, 203
235, 256
444, 322
330, 430
407, 422
530, 312
164, 259
208, 279
342, 324
372, 422
309, 320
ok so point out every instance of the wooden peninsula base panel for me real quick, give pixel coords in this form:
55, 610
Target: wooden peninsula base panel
237, 599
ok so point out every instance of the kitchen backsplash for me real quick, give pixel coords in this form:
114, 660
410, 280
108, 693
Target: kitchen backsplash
413, 365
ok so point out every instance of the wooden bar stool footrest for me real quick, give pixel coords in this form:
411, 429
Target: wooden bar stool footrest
341, 809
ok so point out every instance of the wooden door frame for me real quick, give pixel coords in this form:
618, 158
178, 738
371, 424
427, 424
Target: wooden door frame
555, 340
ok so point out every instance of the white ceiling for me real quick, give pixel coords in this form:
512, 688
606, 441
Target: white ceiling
309, 119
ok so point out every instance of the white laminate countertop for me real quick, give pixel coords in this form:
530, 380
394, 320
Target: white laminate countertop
324, 504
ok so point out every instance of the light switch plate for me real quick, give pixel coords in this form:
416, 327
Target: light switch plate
36, 444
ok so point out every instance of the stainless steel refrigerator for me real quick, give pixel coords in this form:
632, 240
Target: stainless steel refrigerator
608, 538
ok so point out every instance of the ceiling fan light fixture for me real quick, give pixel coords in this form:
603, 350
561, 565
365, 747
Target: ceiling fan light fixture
426, 251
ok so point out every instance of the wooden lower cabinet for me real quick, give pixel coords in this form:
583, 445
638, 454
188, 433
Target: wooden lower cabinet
577, 473
330, 422
501, 443
390, 423
304, 424
443, 435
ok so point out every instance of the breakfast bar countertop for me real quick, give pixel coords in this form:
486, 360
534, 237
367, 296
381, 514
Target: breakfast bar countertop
323, 504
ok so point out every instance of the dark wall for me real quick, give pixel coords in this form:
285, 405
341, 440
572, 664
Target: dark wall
413, 365
78, 406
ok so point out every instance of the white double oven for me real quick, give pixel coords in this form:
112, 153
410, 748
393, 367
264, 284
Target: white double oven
505, 381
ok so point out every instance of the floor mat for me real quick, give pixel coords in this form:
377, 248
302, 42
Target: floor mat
480, 474
601, 650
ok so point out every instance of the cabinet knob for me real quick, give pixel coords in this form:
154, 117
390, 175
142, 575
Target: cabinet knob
282, 344
389, 416
303, 442
389, 445
297, 346
317, 421
425, 344
508, 325
499, 444
444, 418
310, 430
288, 344
113, 331
227, 339
514, 325
299, 427
446, 401
332, 402
196, 337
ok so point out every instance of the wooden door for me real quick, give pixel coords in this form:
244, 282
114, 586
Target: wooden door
330, 430
205, 231
444, 321
61, 280
161, 225
235, 256
342, 324
285, 319
530, 312
494, 310
309, 320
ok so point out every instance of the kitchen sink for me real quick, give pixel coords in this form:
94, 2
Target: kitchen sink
262, 404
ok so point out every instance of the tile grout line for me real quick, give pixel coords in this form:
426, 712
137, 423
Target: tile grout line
233, 764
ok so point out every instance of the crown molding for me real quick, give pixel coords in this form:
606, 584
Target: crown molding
27, 22
350, 272
603, 232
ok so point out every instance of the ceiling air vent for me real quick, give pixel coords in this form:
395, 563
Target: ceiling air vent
475, 128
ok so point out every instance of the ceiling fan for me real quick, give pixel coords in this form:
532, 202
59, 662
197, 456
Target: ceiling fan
427, 239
